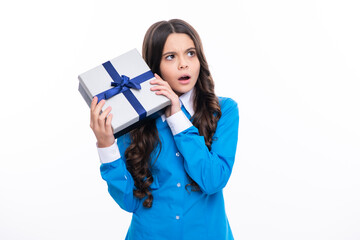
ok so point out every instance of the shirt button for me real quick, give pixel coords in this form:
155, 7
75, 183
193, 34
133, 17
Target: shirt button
177, 154
125, 177
177, 217
178, 185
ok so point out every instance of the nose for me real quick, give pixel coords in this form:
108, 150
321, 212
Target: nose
183, 64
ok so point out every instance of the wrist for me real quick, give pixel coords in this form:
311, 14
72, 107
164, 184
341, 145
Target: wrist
102, 144
109, 154
175, 110
178, 122
171, 111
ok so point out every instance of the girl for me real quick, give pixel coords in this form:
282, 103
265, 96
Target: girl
170, 172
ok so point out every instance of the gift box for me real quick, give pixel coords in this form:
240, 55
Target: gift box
124, 83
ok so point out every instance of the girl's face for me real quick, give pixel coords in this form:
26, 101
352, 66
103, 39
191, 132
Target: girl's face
179, 64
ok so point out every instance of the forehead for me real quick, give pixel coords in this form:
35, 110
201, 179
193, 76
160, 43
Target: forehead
178, 42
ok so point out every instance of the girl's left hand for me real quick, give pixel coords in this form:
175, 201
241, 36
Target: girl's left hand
163, 88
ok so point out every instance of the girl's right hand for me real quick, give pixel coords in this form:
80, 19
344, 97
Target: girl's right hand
162, 87
100, 124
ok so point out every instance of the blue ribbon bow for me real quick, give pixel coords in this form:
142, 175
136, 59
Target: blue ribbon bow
122, 84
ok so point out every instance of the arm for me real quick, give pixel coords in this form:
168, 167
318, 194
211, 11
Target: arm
119, 180
120, 184
113, 169
211, 169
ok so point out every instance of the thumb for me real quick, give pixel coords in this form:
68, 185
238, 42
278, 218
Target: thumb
157, 76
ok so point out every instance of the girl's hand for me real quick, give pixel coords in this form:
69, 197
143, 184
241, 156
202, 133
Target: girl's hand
100, 124
163, 88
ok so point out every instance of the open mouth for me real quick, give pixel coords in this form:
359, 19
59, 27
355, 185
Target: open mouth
184, 78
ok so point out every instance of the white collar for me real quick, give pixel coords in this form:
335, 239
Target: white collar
186, 99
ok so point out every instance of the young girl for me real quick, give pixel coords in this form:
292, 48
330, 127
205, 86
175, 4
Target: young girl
170, 172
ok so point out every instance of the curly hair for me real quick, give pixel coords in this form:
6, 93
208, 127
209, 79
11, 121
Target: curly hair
206, 106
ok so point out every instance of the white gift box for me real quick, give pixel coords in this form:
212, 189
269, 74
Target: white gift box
131, 106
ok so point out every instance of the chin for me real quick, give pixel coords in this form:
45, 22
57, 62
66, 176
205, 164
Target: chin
182, 90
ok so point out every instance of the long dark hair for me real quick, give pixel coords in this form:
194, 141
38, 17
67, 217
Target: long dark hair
206, 106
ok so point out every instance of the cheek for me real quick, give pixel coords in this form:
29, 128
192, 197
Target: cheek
166, 71
161, 69
171, 81
197, 68
196, 65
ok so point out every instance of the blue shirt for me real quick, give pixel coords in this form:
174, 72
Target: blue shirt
177, 213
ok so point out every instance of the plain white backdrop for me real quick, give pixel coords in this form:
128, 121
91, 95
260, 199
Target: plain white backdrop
292, 66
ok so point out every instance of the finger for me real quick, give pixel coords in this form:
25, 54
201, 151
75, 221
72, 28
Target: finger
166, 93
157, 81
92, 107
98, 108
93, 103
95, 114
160, 87
104, 113
157, 76
161, 83
108, 127
99, 120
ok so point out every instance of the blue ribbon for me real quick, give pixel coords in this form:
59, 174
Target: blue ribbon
122, 84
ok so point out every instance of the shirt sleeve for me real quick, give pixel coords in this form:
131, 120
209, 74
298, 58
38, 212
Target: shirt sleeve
119, 180
178, 122
211, 170
109, 154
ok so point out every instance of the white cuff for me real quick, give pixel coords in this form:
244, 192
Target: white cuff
178, 122
109, 154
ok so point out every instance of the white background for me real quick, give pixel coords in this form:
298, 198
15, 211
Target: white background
292, 66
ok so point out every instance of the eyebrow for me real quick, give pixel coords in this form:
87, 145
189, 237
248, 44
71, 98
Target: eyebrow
191, 48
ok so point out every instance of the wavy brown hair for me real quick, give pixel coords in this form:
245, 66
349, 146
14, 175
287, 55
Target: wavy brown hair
206, 106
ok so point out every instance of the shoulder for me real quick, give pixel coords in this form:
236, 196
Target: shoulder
123, 142
229, 120
227, 104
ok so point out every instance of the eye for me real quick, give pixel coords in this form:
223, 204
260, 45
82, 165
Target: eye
169, 57
191, 53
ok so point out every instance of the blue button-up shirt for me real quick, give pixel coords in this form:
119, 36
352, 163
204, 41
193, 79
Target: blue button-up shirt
178, 213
